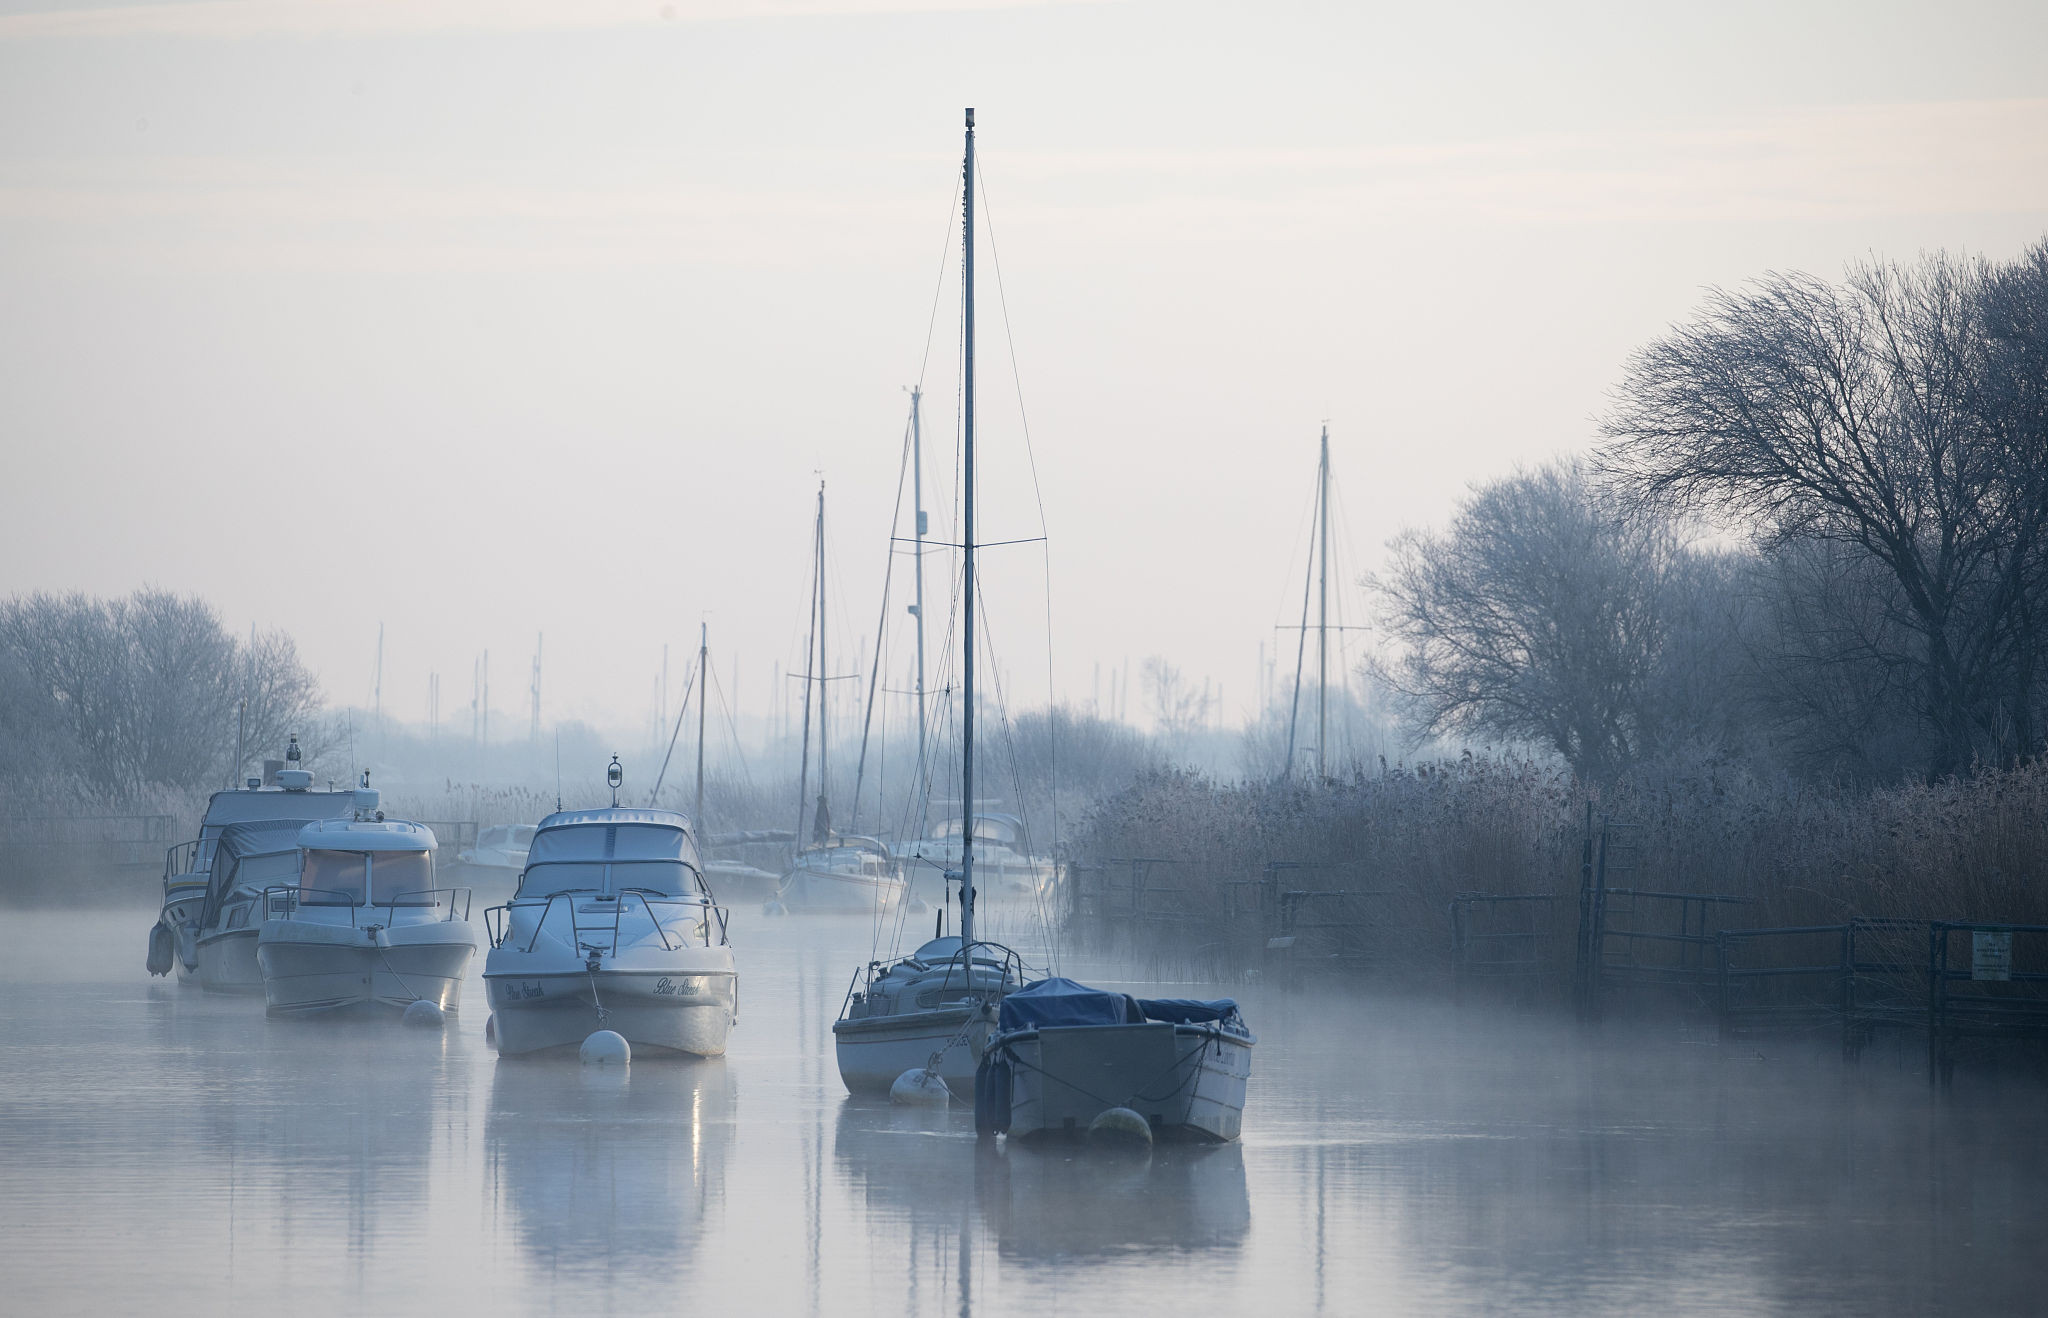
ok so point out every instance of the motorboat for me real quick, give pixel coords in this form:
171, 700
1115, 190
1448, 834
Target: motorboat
843, 874
1002, 869
363, 924
735, 881
502, 847
934, 1009
248, 860
287, 799
611, 928
1065, 1054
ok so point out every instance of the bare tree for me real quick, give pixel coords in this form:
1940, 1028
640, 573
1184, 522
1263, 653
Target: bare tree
1177, 709
1900, 416
1541, 616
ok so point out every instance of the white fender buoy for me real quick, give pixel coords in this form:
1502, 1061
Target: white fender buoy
424, 1015
918, 1087
491, 1029
774, 907
606, 1048
1120, 1126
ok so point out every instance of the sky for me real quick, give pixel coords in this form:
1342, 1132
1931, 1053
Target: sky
482, 321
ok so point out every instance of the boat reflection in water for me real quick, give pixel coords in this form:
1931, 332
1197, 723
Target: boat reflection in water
598, 1168
1041, 1204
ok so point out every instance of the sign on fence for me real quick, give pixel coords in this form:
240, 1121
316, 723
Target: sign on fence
1991, 954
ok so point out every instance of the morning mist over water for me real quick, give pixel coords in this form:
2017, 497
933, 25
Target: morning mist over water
1320, 662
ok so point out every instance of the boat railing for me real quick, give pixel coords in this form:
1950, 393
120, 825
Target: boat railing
497, 920
1010, 965
282, 901
429, 899
179, 861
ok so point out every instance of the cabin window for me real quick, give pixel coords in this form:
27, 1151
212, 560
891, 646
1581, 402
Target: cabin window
333, 878
401, 876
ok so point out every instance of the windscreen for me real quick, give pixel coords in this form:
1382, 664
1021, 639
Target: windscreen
333, 878
395, 874
608, 858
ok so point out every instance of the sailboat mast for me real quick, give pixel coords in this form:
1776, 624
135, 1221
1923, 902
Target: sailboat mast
967, 540
803, 773
824, 723
703, 702
1323, 617
917, 609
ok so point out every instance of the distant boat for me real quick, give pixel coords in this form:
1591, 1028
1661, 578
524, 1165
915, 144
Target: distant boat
502, 847
612, 928
188, 914
833, 873
1003, 872
364, 925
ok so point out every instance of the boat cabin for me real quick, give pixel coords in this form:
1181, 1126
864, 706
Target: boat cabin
608, 852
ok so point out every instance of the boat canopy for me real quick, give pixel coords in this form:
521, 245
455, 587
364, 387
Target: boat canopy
248, 807
610, 851
1188, 1011
367, 835
256, 855
1056, 1002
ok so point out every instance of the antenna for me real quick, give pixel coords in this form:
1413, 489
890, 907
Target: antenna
534, 690
558, 769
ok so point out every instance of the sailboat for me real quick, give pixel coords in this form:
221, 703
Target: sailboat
935, 1008
830, 872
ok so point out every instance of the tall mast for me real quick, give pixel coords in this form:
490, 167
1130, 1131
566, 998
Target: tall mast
703, 701
1323, 616
967, 540
917, 609
824, 781
803, 773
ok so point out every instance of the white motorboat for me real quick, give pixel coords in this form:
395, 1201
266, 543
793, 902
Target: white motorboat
846, 874
364, 925
934, 1009
1002, 870
189, 866
502, 847
612, 928
247, 860
1064, 1054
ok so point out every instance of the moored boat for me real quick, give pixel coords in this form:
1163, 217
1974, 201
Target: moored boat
933, 1009
364, 925
287, 801
1065, 1054
612, 928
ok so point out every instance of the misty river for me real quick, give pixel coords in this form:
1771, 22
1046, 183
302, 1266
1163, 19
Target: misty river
167, 1151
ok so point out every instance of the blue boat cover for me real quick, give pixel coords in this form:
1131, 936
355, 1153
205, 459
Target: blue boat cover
1187, 1011
1058, 1002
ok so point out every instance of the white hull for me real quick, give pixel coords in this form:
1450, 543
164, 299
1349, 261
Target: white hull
815, 890
684, 1002
227, 962
309, 967
874, 1051
1187, 1080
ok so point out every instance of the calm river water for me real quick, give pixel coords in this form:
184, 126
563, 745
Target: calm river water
168, 1152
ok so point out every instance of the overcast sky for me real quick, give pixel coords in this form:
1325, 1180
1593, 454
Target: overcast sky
483, 319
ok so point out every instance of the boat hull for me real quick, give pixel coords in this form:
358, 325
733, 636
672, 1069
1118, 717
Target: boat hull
684, 1007
874, 1051
227, 962
821, 892
1188, 1081
310, 967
